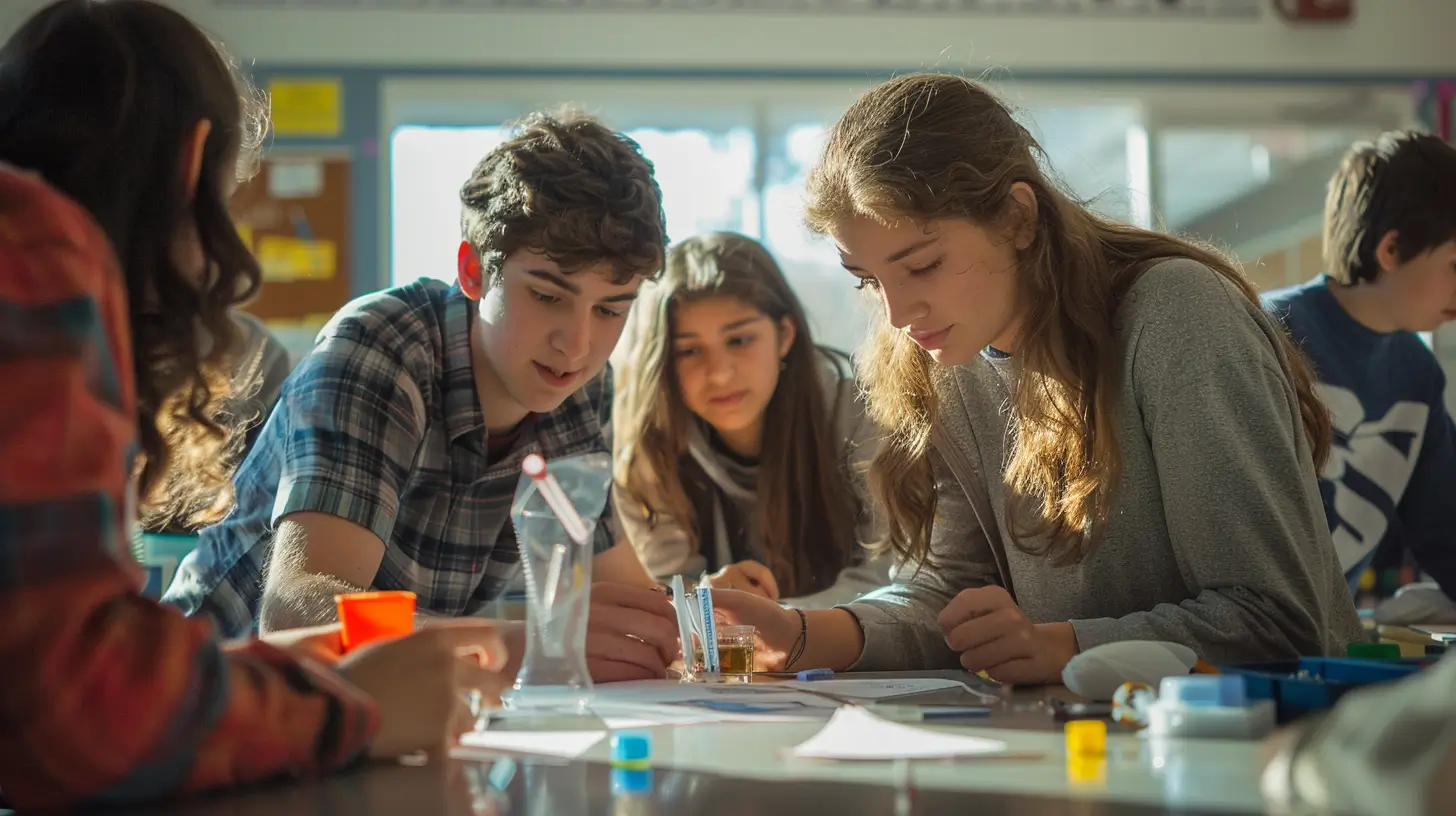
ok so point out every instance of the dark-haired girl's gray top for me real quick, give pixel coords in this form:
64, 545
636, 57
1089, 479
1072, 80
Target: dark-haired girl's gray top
1218, 537
724, 491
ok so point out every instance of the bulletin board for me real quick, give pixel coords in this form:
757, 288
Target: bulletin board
294, 215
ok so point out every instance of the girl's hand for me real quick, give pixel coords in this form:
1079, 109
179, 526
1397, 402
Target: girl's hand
321, 643
420, 682
748, 576
993, 635
778, 627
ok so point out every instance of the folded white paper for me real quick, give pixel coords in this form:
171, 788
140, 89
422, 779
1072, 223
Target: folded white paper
569, 744
855, 734
876, 689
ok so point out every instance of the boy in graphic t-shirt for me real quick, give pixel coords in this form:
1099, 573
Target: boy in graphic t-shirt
1390, 253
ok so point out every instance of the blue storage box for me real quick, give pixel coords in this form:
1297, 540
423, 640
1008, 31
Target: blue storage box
1317, 683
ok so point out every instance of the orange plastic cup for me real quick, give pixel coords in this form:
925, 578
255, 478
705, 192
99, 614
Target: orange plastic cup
371, 616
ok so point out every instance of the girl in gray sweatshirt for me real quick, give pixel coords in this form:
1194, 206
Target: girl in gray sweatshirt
1093, 432
740, 445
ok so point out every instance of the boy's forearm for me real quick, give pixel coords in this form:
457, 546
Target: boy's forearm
302, 599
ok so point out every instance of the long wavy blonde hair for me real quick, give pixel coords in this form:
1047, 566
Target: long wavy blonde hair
806, 513
934, 146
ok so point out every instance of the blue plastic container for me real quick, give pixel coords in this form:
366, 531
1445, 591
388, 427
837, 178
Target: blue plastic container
1317, 683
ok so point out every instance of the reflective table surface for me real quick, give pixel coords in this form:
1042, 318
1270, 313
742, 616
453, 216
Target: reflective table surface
740, 768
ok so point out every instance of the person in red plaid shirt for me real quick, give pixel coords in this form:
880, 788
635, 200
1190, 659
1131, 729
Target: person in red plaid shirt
120, 125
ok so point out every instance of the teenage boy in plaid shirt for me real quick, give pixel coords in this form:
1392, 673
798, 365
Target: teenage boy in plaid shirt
393, 456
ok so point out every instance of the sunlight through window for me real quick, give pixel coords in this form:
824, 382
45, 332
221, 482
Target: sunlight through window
706, 181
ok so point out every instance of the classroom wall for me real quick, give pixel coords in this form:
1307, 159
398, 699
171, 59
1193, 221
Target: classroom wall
1387, 38
1278, 72
1235, 70
1390, 41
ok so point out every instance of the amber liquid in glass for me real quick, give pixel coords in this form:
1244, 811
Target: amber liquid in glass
735, 659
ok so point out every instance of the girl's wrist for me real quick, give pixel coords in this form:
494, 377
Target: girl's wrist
798, 627
1059, 646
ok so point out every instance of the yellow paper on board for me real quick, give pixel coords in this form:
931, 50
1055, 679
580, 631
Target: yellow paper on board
307, 107
293, 259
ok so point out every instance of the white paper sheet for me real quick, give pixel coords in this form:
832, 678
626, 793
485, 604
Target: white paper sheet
568, 744
650, 691
672, 691
877, 689
667, 702
1444, 634
667, 691
646, 715
855, 734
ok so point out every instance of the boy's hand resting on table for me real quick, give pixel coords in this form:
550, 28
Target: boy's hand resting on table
993, 635
420, 682
631, 633
747, 576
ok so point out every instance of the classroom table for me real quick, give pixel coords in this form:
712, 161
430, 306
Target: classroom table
735, 769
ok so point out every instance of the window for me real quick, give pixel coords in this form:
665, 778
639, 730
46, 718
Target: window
705, 178
838, 313
708, 165
1088, 150
429, 165
1205, 169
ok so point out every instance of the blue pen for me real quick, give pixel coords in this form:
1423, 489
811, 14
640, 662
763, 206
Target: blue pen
914, 713
815, 674
954, 712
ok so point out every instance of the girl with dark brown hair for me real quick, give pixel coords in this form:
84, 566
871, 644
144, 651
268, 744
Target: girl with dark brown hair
740, 444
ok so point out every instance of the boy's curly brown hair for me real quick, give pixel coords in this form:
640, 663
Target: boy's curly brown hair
570, 187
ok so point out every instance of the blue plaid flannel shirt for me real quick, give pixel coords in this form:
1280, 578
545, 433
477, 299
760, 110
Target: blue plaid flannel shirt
380, 425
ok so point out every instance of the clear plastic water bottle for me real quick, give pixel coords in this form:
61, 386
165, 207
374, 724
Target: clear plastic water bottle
553, 671
554, 678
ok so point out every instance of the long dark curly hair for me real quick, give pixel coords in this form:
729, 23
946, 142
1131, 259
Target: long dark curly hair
102, 99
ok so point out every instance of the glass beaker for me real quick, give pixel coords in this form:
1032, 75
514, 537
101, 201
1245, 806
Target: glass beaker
735, 653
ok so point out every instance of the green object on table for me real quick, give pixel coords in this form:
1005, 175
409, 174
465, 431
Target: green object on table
1373, 651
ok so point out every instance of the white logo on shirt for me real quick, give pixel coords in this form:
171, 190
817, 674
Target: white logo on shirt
1361, 524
